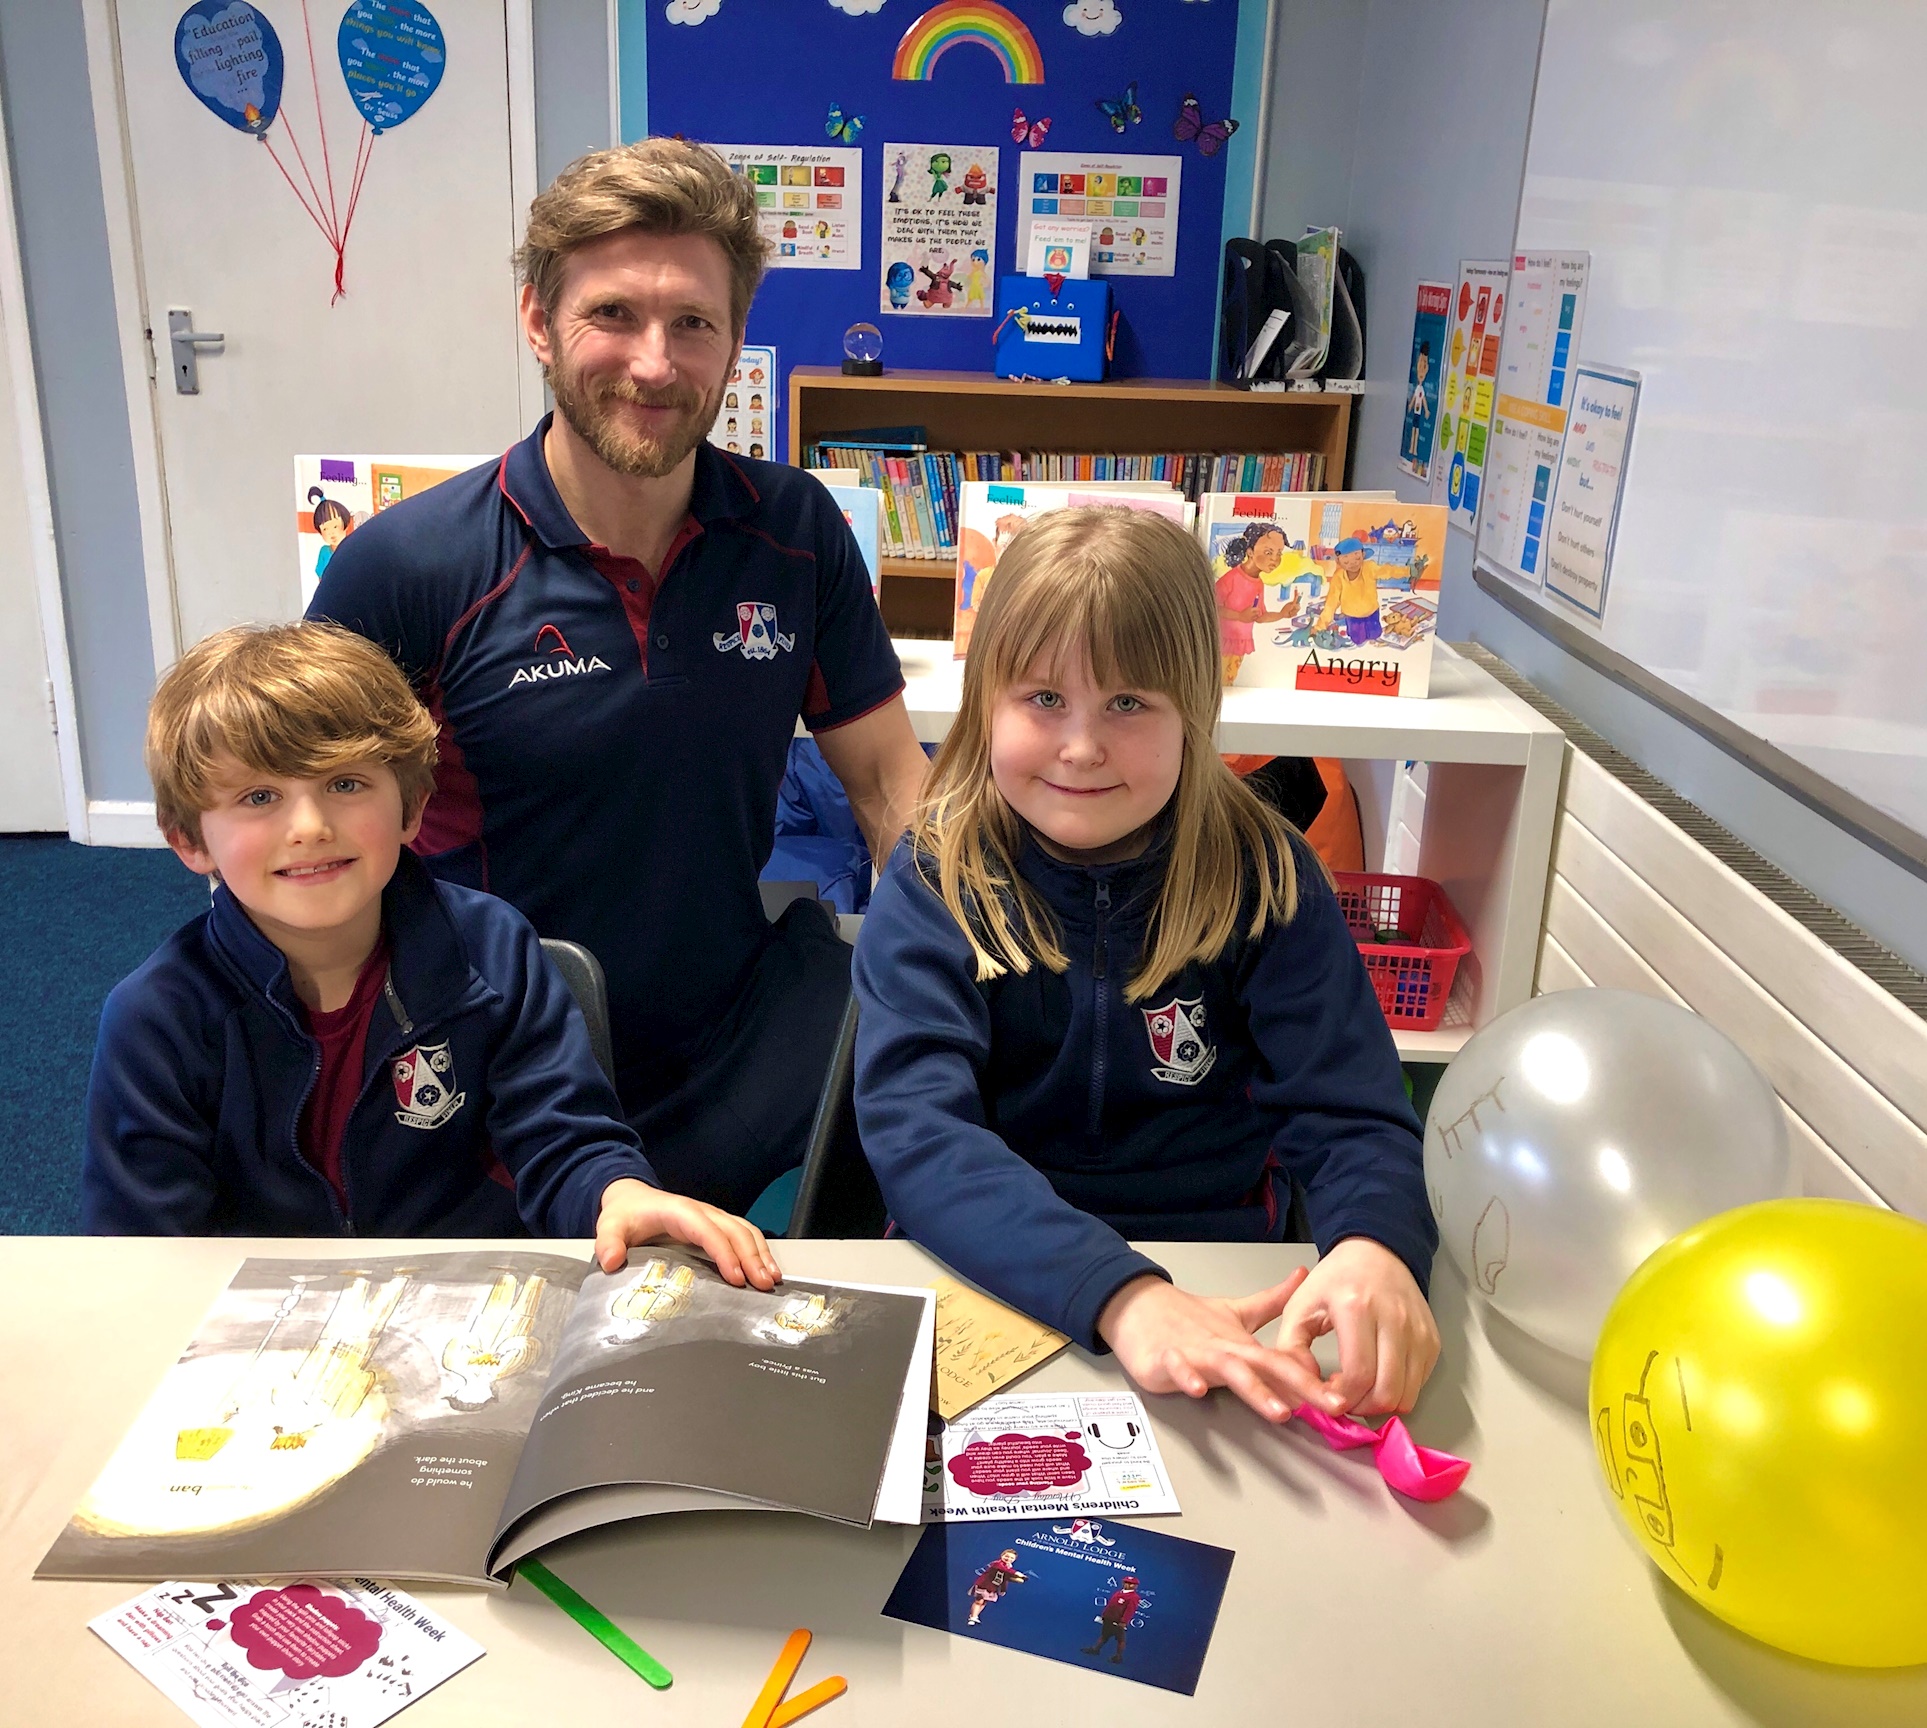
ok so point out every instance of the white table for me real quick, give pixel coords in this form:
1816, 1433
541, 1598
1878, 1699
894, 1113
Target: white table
1490, 806
1518, 1603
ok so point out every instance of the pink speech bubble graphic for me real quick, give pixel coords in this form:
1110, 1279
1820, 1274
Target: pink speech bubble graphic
1019, 1464
304, 1632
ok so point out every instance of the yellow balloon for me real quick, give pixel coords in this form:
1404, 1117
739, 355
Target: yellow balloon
1759, 1401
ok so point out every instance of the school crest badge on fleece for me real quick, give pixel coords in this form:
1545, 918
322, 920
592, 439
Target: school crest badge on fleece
756, 636
425, 1086
1176, 1031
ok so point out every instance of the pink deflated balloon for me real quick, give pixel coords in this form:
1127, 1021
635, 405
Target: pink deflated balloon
1418, 1472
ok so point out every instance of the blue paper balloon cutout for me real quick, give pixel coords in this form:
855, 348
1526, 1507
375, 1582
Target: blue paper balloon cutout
392, 56
230, 58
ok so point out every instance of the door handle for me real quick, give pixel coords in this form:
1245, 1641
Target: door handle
187, 343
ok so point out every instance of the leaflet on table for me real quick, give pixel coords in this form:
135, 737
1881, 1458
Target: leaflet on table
1325, 591
305, 1655
809, 202
1032, 1454
746, 422
422, 1417
1592, 478
334, 495
1422, 378
1544, 316
1131, 203
939, 251
989, 512
1059, 248
1134, 1604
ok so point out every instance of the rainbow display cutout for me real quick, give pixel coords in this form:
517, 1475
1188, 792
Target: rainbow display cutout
980, 23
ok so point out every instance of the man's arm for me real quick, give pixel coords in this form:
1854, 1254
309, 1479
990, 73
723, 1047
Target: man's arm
881, 765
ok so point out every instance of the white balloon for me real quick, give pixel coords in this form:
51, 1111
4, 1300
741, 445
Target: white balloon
1574, 1135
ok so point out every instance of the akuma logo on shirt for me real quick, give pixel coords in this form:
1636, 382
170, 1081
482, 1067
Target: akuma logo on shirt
562, 661
425, 1086
756, 636
1176, 1031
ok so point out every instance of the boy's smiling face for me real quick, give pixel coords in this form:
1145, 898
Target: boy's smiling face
307, 857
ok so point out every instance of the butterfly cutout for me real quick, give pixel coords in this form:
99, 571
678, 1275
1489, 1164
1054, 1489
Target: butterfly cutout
1029, 132
1191, 124
842, 126
1123, 110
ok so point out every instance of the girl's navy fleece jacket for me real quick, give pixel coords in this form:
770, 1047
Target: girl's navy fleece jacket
478, 1072
1023, 1129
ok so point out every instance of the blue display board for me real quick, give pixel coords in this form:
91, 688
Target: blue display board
767, 72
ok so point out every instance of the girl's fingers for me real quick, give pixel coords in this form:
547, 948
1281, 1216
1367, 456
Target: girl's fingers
1265, 1307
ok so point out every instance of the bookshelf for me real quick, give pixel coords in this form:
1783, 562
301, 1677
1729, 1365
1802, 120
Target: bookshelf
977, 411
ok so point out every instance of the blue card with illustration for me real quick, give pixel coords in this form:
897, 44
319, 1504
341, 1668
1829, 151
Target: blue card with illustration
1108, 1597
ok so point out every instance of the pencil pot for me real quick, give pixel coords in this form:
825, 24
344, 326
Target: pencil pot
1046, 331
1410, 940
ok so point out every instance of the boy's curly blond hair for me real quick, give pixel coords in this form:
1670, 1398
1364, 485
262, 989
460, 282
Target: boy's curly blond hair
288, 699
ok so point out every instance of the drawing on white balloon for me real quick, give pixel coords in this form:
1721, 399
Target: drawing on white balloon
1451, 1134
1491, 1245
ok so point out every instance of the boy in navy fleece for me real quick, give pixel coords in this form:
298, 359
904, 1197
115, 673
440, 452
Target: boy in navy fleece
341, 1045
1106, 993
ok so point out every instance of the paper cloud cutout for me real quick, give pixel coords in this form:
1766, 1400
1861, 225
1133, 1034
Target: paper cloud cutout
1093, 17
691, 11
857, 8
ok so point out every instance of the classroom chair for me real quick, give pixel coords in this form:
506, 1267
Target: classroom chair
837, 1195
582, 972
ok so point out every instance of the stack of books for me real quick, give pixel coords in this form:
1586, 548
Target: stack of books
919, 485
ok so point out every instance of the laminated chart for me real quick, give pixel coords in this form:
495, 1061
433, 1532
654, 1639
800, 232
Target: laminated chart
1471, 380
1544, 315
1131, 203
809, 202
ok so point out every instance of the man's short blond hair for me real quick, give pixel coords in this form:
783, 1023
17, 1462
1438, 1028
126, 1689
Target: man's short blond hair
298, 700
661, 186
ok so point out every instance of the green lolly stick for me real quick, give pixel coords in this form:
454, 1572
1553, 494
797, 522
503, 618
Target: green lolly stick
596, 1623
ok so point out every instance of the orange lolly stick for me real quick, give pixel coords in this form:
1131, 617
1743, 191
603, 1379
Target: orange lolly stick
804, 1702
779, 1679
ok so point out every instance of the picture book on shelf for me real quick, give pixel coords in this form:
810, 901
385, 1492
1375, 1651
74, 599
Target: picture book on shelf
990, 512
1325, 591
441, 1416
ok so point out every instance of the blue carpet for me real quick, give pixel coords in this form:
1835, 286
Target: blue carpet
78, 920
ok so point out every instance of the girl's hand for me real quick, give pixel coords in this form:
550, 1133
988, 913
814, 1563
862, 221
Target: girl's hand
1168, 1340
1387, 1341
634, 1213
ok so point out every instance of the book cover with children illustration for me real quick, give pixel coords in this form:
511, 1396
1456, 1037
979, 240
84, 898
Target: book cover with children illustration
1325, 591
334, 495
1107, 1597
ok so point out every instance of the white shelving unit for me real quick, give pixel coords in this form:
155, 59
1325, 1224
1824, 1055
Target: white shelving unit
1491, 800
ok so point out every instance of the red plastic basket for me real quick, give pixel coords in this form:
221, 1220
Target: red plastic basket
1410, 940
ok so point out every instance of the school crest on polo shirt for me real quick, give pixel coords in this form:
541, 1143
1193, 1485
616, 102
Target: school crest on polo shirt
425, 1086
756, 636
1178, 1042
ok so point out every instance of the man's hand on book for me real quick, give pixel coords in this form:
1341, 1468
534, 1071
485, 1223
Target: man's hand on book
634, 1213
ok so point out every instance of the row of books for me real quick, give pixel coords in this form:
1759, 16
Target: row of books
919, 486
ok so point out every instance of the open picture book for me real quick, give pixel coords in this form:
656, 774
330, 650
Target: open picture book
441, 1416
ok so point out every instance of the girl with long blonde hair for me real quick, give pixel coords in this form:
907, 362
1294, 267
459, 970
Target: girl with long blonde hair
1107, 994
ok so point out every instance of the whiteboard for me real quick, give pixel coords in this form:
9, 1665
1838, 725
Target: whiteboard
1751, 181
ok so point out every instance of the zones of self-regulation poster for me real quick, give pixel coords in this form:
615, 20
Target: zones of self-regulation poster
809, 202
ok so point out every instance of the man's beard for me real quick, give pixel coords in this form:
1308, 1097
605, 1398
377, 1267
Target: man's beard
591, 412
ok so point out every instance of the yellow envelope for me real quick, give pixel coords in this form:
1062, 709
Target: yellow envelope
982, 1346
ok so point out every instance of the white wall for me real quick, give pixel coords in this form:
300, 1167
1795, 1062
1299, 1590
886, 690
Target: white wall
1405, 122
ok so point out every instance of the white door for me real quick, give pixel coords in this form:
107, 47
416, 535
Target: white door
420, 354
31, 797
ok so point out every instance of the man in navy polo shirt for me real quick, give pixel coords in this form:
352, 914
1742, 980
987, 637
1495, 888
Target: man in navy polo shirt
617, 627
